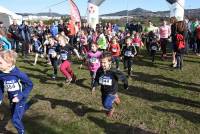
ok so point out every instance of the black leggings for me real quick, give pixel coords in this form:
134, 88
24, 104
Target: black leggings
54, 63
163, 43
128, 62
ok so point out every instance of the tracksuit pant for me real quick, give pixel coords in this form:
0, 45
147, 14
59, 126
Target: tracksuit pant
17, 112
66, 69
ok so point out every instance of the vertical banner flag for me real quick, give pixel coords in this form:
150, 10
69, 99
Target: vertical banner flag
74, 12
93, 12
177, 9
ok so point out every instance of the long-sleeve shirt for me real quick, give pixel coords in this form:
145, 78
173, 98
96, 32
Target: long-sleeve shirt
109, 81
16, 83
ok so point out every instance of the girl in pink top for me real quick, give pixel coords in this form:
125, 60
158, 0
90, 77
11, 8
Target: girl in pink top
137, 42
93, 58
164, 32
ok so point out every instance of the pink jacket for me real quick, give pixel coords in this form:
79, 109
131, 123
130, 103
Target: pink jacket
94, 60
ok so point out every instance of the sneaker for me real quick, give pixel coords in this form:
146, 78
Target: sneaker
110, 113
74, 79
53, 76
68, 81
117, 100
80, 67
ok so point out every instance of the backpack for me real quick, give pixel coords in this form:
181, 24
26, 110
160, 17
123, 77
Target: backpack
180, 42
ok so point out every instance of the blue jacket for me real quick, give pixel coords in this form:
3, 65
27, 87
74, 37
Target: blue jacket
6, 43
16, 83
54, 30
25, 33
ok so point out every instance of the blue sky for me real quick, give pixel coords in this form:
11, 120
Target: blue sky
109, 6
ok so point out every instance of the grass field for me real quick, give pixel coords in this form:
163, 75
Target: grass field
160, 100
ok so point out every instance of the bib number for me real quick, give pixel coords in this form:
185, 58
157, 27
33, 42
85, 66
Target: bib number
128, 53
11, 86
106, 81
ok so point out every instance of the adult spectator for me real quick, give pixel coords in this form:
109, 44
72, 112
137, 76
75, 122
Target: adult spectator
165, 33
61, 26
15, 36
26, 38
54, 30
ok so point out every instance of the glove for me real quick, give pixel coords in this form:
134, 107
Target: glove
0, 102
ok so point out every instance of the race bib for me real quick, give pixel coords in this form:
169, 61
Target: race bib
154, 48
93, 60
63, 56
114, 50
51, 51
106, 81
136, 44
128, 53
11, 86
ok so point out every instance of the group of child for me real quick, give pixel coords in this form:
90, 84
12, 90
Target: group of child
97, 51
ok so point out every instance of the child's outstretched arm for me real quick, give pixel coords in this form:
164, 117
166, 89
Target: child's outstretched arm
76, 52
27, 85
120, 76
96, 79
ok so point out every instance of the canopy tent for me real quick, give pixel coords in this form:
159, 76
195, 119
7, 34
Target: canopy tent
7, 16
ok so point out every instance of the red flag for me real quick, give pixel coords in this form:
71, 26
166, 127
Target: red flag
74, 13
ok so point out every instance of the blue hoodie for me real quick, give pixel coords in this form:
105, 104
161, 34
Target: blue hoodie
16, 83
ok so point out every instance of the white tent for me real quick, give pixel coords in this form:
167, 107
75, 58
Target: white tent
7, 16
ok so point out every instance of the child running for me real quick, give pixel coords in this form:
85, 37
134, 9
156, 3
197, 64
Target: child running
53, 49
137, 42
64, 53
18, 86
93, 58
115, 50
129, 51
108, 79
37, 49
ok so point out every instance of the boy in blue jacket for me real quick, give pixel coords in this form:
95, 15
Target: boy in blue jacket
18, 86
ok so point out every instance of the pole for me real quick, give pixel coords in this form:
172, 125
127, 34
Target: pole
127, 14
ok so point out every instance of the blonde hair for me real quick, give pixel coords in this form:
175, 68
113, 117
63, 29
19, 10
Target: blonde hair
9, 56
60, 37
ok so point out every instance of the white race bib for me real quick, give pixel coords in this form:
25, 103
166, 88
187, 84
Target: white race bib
114, 50
154, 48
136, 44
63, 56
106, 81
93, 60
128, 53
11, 86
51, 51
